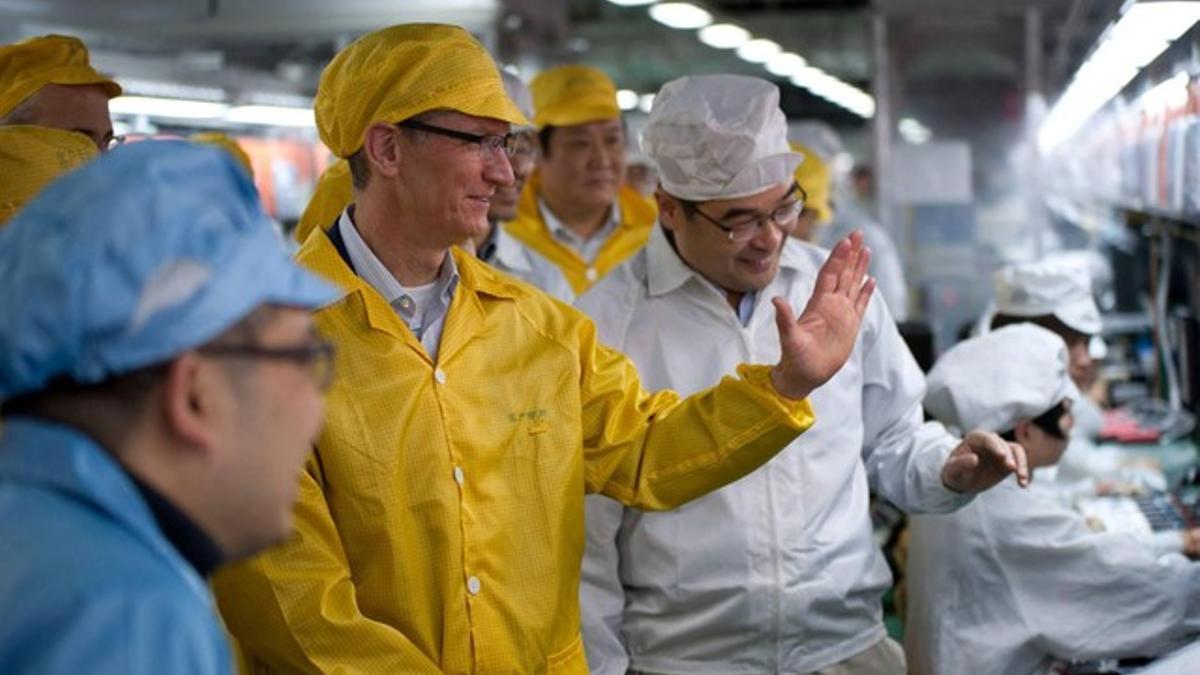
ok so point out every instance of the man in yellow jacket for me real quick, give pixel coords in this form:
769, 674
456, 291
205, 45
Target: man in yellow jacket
49, 81
576, 210
440, 522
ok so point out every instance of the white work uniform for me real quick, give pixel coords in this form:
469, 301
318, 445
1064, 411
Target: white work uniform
778, 572
1016, 580
508, 255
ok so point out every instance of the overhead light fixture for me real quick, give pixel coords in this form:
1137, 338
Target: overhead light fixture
272, 115
785, 64
913, 131
646, 102
681, 15
724, 36
627, 99
837, 92
758, 51
632, 3
1170, 94
168, 108
155, 89
1138, 37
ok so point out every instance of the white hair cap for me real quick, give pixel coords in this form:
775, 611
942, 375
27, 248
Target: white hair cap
992, 381
719, 137
1058, 287
518, 91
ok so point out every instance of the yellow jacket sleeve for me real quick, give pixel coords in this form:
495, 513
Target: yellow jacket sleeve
294, 607
656, 452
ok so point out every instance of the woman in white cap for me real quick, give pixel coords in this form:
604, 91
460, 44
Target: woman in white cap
1056, 294
1015, 582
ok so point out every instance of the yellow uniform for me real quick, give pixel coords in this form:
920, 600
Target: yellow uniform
440, 523
638, 216
333, 193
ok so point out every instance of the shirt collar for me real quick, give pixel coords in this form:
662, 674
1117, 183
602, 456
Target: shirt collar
564, 233
196, 547
63, 459
372, 270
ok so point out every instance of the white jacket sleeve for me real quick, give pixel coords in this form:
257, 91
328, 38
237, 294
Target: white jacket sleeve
601, 593
902, 455
1090, 595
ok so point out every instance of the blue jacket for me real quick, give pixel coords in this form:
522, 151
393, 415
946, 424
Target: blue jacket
88, 583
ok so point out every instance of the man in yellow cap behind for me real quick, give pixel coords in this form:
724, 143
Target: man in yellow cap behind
576, 210
440, 520
49, 81
33, 157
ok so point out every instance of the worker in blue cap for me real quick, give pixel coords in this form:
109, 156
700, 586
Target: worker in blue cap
162, 383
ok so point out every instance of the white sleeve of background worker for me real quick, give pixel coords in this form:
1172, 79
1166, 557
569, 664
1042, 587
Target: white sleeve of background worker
888, 269
601, 593
1015, 580
903, 456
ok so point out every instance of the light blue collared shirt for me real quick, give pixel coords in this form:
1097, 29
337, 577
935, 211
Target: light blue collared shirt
422, 309
588, 248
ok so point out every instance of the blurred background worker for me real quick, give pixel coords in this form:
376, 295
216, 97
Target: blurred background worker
825, 221
441, 519
33, 157
333, 192
576, 209
777, 572
1056, 294
49, 81
162, 388
1015, 581
498, 248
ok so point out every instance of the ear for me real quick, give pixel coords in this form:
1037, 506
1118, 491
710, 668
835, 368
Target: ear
190, 402
1024, 431
382, 150
668, 209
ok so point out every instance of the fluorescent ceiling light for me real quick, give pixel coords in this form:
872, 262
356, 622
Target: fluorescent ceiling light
632, 3
646, 102
681, 15
271, 115
1138, 37
785, 64
627, 99
167, 108
724, 36
758, 51
153, 89
1167, 95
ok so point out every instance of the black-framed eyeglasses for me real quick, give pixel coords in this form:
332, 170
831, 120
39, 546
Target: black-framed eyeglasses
744, 229
317, 355
506, 143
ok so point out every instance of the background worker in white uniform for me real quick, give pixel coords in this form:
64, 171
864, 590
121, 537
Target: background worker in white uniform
1015, 581
777, 572
1056, 294
498, 248
49, 81
825, 220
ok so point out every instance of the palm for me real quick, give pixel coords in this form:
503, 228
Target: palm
815, 346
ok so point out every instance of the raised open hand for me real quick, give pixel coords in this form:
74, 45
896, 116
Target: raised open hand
815, 346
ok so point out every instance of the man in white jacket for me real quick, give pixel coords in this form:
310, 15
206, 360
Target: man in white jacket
777, 572
1015, 582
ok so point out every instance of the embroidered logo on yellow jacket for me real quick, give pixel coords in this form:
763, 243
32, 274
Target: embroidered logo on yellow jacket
440, 521
638, 216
